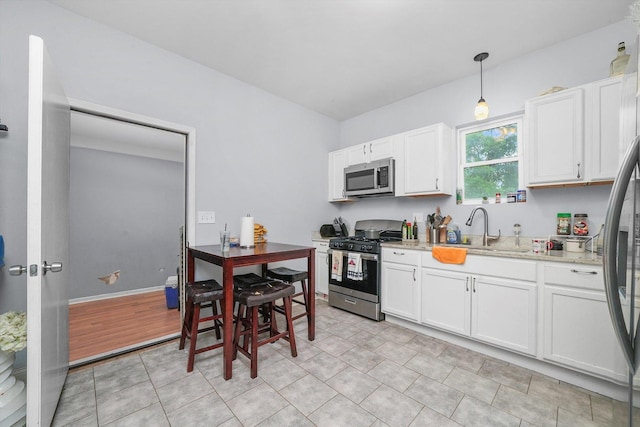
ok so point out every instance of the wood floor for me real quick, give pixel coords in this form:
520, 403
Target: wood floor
103, 326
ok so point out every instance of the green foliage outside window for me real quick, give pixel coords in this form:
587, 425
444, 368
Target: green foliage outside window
490, 162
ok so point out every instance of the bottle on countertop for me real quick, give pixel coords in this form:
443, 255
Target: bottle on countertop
404, 230
415, 229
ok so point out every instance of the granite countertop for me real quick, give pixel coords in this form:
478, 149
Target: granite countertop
523, 252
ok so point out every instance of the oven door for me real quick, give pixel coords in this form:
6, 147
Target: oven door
366, 288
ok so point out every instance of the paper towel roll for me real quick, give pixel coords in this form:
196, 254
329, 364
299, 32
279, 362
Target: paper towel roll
246, 232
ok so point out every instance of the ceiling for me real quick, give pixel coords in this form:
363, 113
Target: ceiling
343, 58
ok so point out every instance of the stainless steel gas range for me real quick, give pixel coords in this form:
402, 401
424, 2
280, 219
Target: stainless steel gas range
354, 268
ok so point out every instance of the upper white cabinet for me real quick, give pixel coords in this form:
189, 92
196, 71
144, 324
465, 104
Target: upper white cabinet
337, 163
605, 128
424, 166
555, 138
573, 135
370, 151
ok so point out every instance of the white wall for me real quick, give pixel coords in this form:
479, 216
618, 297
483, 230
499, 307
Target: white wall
506, 87
256, 152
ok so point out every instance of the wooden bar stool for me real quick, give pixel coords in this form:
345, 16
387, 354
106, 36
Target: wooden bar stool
248, 324
202, 294
292, 276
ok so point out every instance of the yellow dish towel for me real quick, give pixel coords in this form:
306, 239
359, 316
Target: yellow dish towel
449, 255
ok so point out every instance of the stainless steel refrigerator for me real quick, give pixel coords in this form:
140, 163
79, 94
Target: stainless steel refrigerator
621, 233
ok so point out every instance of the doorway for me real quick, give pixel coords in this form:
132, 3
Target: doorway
127, 161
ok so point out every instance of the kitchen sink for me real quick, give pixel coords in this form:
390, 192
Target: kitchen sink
491, 249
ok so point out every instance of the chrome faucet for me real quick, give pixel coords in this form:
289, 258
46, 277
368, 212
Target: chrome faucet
485, 235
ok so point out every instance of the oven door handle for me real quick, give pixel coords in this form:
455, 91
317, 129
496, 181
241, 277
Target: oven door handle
363, 256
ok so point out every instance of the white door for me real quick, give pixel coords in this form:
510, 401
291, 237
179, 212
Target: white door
47, 237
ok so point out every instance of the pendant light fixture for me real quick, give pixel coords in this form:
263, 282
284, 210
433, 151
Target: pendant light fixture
482, 108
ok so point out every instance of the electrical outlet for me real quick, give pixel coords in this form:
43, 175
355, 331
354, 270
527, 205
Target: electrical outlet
419, 217
206, 217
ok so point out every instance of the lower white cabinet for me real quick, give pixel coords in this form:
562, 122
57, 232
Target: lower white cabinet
578, 332
446, 300
495, 310
322, 267
504, 313
400, 288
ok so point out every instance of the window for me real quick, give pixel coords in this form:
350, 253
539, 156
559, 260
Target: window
490, 159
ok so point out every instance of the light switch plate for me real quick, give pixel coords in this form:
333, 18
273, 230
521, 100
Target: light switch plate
206, 217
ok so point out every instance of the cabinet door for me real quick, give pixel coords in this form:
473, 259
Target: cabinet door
504, 313
381, 149
555, 129
400, 290
337, 163
605, 129
446, 301
422, 165
358, 154
578, 332
322, 268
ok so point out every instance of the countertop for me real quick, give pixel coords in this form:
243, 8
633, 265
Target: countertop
586, 257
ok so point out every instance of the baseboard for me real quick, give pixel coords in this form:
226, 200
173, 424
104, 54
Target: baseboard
122, 350
115, 295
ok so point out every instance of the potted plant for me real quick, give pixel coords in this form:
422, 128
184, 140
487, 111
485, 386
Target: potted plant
13, 338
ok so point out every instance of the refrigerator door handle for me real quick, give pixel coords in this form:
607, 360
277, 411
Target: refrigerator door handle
610, 262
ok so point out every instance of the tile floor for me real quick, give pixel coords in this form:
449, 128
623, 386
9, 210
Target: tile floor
356, 373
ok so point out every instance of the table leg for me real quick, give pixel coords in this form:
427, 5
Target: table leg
191, 267
311, 261
227, 283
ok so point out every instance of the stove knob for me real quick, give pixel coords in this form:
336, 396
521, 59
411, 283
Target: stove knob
350, 246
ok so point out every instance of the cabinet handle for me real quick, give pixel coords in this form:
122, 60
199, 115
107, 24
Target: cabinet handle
474, 285
326, 260
467, 284
371, 147
414, 274
398, 253
437, 184
573, 270
578, 171
364, 149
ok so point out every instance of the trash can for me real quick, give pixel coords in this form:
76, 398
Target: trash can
171, 292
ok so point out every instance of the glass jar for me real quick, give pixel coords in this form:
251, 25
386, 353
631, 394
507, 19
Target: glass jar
564, 224
580, 225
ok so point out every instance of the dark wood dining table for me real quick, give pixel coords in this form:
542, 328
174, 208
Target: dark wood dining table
261, 254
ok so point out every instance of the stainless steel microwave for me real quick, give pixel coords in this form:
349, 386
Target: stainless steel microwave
369, 179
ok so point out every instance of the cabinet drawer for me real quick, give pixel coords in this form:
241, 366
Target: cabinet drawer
579, 276
401, 256
487, 266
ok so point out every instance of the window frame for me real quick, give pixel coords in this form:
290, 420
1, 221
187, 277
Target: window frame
463, 130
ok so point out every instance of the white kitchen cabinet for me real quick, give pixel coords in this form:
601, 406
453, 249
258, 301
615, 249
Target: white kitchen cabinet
578, 333
489, 299
400, 286
577, 330
446, 300
498, 311
337, 163
554, 147
423, 166
504, 313
369, 151
322, 268
605, 132
573, 135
